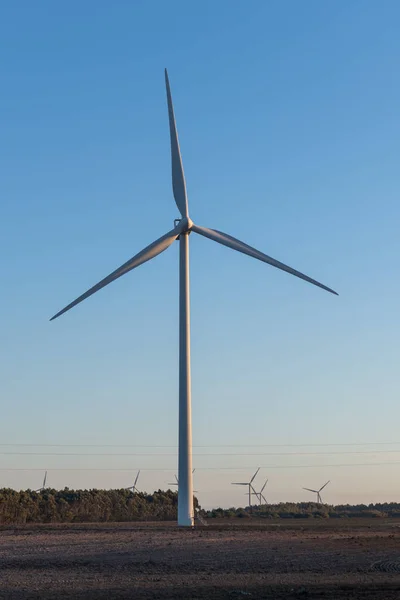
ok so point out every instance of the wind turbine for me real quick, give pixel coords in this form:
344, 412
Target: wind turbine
182, 228
176, 482
260, 494
133, 487
250, 484
318, 492
44, 484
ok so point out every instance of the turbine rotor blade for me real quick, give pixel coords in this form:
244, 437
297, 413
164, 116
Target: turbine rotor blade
235, 244
254, 476
44, 480
178, 176
309, 490
143, 256
236, 483
137, 477
263, 487
325, 484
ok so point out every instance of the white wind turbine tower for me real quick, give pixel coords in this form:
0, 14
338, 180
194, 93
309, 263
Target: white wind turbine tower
44, 483
133, 487
250, 484
181, 231
318, 492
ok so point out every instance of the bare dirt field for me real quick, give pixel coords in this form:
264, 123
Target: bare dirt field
307, 559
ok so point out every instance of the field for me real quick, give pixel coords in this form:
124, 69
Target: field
307, 559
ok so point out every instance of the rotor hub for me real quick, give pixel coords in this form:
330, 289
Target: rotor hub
186, 224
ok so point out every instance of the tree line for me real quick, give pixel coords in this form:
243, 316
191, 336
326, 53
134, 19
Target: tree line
85, 506
307, 510
96, 506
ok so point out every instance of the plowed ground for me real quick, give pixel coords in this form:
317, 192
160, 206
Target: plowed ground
273, 561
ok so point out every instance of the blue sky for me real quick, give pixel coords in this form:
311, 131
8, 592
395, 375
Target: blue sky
288, 116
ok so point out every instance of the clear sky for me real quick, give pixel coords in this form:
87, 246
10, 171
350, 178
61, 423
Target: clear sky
288, 116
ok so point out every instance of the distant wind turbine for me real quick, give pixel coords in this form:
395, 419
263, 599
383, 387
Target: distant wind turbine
318, 492
44, 484
261, 498
182, 228
133, 487
250, 486
176, 482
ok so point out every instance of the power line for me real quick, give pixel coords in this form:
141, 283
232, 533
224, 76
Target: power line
43, 445
103, 454
134, 469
